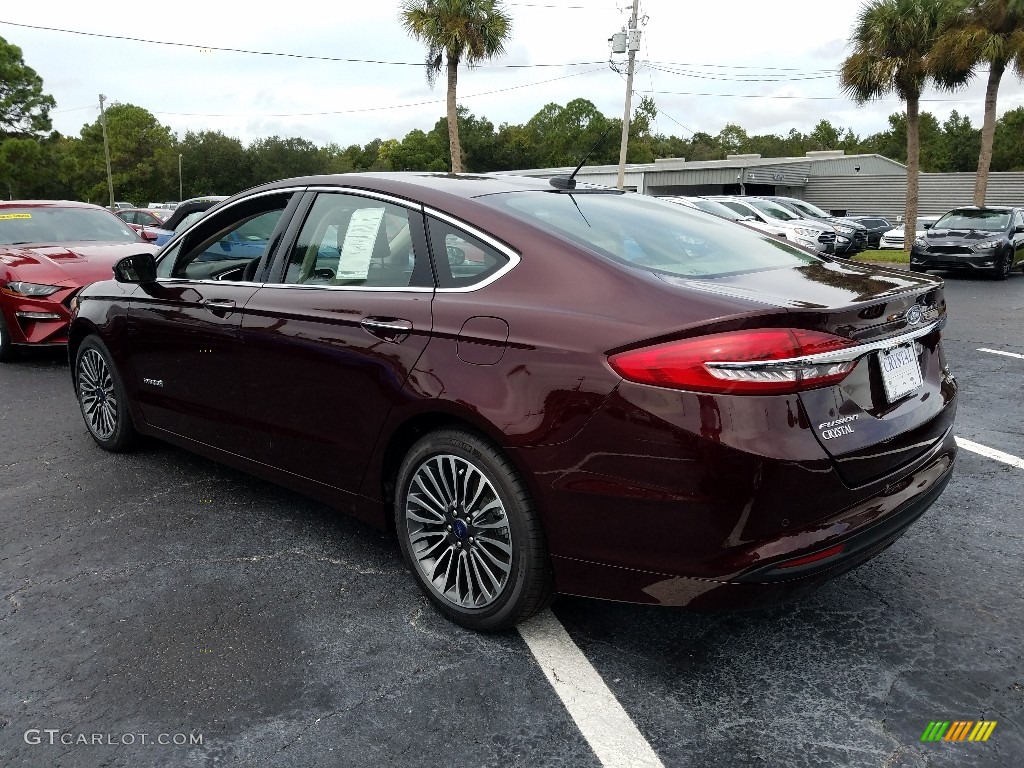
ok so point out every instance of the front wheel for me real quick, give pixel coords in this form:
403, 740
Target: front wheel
101, 397
469, 533
1003, 267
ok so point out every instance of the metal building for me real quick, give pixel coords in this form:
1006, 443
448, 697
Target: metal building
832, 180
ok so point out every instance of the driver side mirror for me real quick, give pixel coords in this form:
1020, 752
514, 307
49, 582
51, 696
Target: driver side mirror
140, 268
148, 235
1019, 228
929, 224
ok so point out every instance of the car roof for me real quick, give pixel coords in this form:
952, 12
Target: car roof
47, 204
466, 185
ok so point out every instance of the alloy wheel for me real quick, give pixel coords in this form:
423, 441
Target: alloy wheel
458, 531
97, 395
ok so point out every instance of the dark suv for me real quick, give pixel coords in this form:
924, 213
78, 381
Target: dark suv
851, 236
876, 227
989, 239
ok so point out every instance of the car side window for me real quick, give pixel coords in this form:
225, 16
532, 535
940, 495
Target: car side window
361, 242
1019, 219
461, 259
223, 245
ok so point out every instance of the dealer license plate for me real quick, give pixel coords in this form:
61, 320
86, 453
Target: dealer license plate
901, 372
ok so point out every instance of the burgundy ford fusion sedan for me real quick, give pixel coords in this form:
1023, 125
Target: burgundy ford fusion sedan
48, 251
540, 389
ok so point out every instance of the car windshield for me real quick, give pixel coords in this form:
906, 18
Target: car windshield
811, 210
651, 234
772, 210
710, 206
986, 221
53, 224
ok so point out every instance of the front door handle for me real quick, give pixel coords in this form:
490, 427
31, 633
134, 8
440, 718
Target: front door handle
219, 304
387, 328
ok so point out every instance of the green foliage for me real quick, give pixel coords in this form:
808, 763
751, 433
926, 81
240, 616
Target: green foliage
24, 108
143, 161
1008, 149
456, 31
212, 164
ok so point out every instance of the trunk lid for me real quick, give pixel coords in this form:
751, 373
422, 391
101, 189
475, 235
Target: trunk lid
867, 432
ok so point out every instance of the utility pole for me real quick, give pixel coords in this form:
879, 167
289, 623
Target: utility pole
106, 150
180, 198
633, 41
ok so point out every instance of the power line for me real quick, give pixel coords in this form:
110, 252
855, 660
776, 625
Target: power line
281, 54
778, 78
797, 98
380, 108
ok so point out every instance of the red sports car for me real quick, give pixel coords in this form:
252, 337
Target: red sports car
49, 250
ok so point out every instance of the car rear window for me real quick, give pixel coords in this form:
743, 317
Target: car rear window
651, 234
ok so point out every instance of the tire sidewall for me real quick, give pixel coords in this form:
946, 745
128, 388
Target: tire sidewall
474, 450
124, 434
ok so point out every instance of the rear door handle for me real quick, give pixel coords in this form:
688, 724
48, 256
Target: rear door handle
219, 304
388, 329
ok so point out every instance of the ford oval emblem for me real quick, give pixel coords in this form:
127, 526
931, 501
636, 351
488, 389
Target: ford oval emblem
913, 315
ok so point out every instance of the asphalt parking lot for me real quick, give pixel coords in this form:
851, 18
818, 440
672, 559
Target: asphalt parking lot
157, 593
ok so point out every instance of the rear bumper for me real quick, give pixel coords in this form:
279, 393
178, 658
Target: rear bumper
863, 530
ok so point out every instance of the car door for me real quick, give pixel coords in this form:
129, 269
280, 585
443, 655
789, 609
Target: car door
331, 341
183, 332
1017, 236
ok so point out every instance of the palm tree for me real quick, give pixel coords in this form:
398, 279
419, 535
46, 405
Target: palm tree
892, 43
991, 32
456, 31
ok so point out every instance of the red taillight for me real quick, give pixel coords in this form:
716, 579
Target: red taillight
763, 361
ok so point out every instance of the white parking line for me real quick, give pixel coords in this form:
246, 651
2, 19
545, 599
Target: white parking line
601, 719
1000, 352
991, 453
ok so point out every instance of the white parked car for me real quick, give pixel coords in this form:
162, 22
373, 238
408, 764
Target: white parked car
810, 233
717, 209
893, 239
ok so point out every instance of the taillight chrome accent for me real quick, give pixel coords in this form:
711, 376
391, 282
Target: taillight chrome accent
755, 362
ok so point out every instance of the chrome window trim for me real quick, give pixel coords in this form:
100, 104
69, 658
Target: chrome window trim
847, 355
290, 286
178, 235
513, 256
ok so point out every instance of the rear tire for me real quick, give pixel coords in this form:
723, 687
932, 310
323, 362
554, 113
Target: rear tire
469, 532
101, 396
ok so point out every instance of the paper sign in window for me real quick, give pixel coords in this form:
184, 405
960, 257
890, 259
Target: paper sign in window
360, 238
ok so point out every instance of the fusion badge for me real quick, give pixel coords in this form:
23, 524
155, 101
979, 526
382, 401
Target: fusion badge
837, 427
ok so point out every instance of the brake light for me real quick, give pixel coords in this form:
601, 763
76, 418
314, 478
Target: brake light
757, 362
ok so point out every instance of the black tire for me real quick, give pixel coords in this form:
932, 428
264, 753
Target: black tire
1001, 271
8, 351
917, 268
101, 397
471, 533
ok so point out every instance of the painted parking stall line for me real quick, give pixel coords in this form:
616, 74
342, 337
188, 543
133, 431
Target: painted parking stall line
1001, 352
991, 453
611, 733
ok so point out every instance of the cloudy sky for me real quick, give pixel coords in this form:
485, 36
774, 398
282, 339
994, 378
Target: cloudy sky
769, 67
